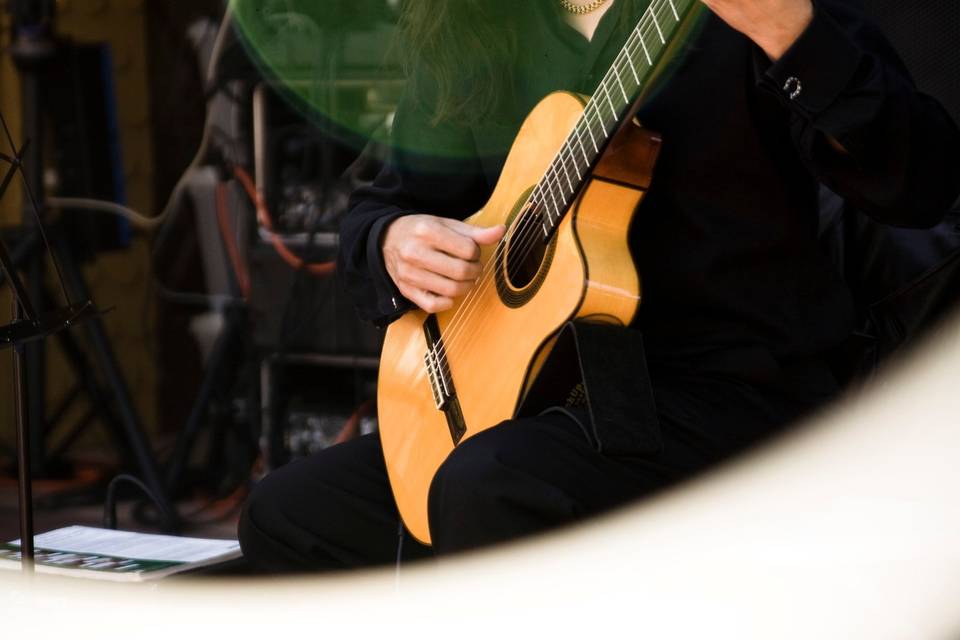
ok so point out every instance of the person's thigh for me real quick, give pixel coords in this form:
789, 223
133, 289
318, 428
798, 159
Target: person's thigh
528, 475
331, 510
336, 510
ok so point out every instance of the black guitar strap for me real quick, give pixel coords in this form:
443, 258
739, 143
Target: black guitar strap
597, 373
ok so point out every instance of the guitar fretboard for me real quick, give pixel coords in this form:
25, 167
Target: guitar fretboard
603, 113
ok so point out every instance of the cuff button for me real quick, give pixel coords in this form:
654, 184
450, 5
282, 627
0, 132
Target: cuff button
792, 87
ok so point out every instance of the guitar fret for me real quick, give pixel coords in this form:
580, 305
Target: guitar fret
592, 139
556, 178
583, 149
555, 184
633, 69
643, 44
546, 205
545, 213
576, 165
596, 110
535, 199
620, 82
566, 174
568, 150
554, 192
606, 92
656, 24
675, 14
556, 209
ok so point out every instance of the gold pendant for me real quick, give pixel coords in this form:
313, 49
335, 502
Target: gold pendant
581, 9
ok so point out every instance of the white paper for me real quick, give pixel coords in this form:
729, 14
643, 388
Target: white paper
127, 544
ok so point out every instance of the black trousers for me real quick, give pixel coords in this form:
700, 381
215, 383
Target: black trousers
334, 510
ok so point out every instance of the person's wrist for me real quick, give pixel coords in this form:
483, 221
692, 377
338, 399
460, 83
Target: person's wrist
776, 38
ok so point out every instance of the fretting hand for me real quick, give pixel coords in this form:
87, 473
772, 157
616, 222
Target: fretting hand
433, 260
774, 25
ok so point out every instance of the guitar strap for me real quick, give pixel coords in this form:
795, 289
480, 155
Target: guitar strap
597, 373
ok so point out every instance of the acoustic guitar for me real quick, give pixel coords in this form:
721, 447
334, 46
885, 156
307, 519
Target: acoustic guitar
574, 176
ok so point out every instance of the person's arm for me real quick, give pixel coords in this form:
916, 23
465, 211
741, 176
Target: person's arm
432, 170
856, 117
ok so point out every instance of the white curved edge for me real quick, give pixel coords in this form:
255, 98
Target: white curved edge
847, 528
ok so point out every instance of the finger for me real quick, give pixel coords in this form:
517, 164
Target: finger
446, 265
425, 300
437, 284
489, 235
441, 236
480, 235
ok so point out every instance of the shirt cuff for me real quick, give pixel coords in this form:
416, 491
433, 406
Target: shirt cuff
815, 70
390, 302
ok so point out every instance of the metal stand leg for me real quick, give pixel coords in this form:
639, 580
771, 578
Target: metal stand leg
107, 363
24, 476
36, 352
218, 359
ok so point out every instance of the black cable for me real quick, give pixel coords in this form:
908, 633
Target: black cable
110, 502
399, 545
158, 240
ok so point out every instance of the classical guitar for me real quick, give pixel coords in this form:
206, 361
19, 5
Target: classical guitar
574, 176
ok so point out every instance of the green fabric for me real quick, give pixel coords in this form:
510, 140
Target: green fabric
554, 57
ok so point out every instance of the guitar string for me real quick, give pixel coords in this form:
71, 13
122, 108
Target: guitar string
519, 237
538, 196
522, 236
544, 191
528, 237
552, 180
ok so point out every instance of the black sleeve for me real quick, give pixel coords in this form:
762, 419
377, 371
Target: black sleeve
432, 169
900, 161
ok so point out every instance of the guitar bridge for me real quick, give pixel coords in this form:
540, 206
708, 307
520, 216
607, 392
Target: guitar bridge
435, 361
441, 382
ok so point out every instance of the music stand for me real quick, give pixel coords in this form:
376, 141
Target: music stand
27, 325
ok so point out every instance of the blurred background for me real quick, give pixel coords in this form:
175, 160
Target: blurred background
232, 137
228, 347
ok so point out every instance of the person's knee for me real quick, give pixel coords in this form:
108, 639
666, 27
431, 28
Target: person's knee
260, 511
505, 482
467, 484
270, 518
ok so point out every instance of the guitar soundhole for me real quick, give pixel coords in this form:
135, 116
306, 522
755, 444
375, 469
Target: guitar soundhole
523, 264
525, 249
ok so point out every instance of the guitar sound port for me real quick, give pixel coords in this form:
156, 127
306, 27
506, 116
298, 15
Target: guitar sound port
526, 249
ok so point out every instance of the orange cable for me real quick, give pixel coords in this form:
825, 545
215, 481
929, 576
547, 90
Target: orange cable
263, 217
229, 240
351, 428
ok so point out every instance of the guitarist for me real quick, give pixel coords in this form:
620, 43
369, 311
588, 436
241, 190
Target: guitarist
768, 100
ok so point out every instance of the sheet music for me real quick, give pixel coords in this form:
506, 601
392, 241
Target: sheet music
127, 544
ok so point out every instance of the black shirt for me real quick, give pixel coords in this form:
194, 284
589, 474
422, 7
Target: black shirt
726, 240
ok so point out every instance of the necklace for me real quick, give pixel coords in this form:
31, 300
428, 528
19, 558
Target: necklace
581, 9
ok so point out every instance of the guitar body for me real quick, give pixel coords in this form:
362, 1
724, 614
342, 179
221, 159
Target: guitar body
493, 344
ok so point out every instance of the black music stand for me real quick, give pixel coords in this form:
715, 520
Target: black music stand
32, 48
28, 325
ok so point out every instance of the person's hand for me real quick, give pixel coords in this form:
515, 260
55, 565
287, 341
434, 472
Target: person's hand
773, 24
433, 260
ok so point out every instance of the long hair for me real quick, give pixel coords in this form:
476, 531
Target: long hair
467, 50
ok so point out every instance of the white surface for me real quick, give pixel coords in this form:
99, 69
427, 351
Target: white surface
127, 544
848, 529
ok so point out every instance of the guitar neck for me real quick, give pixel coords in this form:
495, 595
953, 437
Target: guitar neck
611, 102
